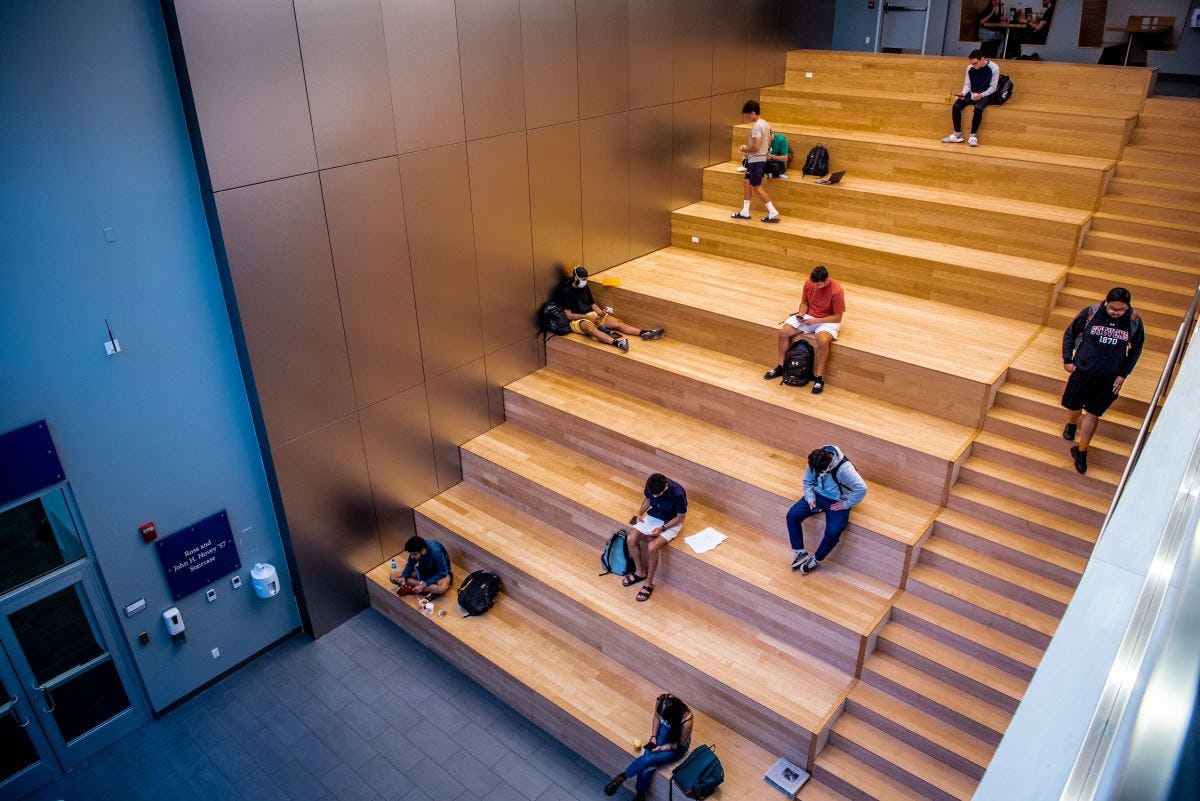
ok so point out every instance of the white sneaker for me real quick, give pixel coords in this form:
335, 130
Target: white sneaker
783, 176
953, 138
973, 141
801, 558
740, 168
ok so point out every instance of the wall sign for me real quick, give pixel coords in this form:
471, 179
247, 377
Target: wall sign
198, 555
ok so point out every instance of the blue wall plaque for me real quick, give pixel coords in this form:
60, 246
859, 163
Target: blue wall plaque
198, 555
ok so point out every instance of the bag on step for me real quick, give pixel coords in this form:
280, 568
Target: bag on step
553, 320
478, 592
817, 162
798, 364
1004, 90
699, 775
615, 557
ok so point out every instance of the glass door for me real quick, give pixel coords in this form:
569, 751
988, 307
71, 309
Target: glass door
26, 759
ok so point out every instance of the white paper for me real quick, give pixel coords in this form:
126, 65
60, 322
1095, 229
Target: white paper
648, 524
706, 540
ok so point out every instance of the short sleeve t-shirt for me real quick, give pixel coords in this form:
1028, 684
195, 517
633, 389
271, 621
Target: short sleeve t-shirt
825, 301
575, 300
671, 503
763, 131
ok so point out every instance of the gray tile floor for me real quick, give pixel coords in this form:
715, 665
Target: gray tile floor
363, 714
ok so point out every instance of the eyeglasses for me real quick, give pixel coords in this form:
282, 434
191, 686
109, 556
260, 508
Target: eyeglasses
1116, 308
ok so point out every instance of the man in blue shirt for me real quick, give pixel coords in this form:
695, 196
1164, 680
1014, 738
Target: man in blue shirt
427, 568
664, 506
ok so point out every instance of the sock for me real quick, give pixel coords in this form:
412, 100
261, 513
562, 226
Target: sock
1083, 446
771, 210
745, 207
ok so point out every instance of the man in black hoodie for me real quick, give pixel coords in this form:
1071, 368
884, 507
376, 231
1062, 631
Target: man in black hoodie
1100, 348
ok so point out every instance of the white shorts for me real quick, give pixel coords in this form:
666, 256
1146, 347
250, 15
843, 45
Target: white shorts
803, 327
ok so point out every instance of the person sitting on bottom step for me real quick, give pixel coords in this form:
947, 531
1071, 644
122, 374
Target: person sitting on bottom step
589, 319
822, 304
831, 485
666, 502
427, 569
979, 85
670, 737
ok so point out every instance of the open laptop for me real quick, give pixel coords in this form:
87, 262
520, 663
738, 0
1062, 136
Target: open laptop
833, 179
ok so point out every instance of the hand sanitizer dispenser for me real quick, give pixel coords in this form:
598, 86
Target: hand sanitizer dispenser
174, 624
265, 580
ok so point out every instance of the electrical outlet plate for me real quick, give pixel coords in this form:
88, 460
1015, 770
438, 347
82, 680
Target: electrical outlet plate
216, 652
211, 595
236, 582
695, 240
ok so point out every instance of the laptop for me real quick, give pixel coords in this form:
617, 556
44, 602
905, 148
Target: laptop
833, 179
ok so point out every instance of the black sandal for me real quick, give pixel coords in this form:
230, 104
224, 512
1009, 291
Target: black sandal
631, 579
644, 593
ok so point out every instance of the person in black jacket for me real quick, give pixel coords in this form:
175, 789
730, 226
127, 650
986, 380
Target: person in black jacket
589, 319
1100, 348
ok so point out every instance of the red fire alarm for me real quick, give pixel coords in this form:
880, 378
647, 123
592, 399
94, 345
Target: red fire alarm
148, 531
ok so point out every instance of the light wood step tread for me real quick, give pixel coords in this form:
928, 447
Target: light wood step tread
1047, 486
938, 691
1145, 183
938, 732
1070, 297
1143, 240
915, 762
1054, 400
741, 657
1184, 293
1159, 264
862, 777
1069, 527
998, 568
1018, 651
844, 596
1040, 424
1153, 203
1009, 539
1050, 459
951, 658
986, 600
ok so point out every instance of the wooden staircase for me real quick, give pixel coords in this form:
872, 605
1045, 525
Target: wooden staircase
892, 671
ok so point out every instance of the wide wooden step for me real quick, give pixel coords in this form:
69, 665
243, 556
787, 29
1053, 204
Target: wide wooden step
1143, 246
1030, 555
1097, 283
990, 608
1048, 233
960, 708
830, 614
996, 575
1038, 462
1045, 493
1026, 520
1138, 267
1043, 403
1146, 208
721, 661
554, 679
721, 469
735, 307
1163, 190
870, 257
917, 452
1045, 432
1171, 138
857, 780
898, 760
1181, 109
1150, 170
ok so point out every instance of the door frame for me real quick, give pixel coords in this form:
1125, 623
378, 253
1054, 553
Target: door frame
47, 767
879, 25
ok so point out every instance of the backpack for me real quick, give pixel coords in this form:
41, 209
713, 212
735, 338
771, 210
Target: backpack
552, 319
699, 775
1135, 322
615, 556
1004, 90
478, 592
833, 471
817, 162
798, 364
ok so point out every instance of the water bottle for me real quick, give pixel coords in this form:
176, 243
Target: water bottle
393, 563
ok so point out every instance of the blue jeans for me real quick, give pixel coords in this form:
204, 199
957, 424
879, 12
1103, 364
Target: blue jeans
835, 524
644, 766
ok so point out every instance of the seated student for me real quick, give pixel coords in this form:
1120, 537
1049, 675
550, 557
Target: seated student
426, 570
831, 485
979, 85
822, 304
670, 738
1035, 32
991, 39
589, 319
665, 500
779, 156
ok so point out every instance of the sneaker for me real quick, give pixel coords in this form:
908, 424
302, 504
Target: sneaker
621, 344
655, 333
1069, 432
973, 141
1080, 458
801, 557
774, 372
953, 138
740, 168
783, 176
818, 385
737, 215
774, 219
810, 565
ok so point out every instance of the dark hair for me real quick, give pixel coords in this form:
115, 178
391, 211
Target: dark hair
819, 274
1118, 294
672, 710
415, 545
820, 460
580, 271
751, 106
976, 53
657, 484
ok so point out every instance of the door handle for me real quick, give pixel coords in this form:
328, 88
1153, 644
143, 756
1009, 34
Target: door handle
15, 713
46, 697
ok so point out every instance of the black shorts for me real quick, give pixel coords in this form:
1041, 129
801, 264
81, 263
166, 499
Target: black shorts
754, 172
1092, 393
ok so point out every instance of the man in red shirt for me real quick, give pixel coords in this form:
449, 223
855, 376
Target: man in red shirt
819, 316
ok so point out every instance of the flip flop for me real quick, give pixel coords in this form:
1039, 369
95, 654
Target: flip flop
631, 579
644, 593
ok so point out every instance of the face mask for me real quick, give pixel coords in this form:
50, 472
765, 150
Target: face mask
580, 283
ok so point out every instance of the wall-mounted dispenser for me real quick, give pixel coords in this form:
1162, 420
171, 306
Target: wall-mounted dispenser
174, 623
265, 580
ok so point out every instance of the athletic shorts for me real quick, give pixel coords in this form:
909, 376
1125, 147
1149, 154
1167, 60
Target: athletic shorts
812, 328
598, 318
754, 172
1092, 393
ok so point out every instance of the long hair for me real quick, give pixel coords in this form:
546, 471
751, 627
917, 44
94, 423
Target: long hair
672, 710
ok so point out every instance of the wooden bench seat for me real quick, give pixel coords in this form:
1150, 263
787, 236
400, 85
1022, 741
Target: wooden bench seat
997, 225
724, 470
954, 274
775, 695
550, 676
831, 614
992, 169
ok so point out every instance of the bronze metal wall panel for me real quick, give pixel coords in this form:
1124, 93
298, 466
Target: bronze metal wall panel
729, 45
399, 447
422, 51
651, 58
507, 365
693, 49
603, 36
605, 180
555, 200
345, 69
549, 57
489, 36
764, 50
726, 112
503, 241
437, 204
458, 411
247, 84
689, 149
331, 519
365, 210
278, 251
650, 179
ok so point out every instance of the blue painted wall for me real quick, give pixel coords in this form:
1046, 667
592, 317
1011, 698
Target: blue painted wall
92, 135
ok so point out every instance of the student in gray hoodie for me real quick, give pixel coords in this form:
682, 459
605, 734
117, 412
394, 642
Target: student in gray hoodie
831, 485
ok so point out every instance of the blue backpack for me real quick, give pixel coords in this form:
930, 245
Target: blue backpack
699, 775
615, 557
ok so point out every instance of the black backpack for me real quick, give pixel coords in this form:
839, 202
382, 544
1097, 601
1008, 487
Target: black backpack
552, 319
798, 364
817, 162
478, 592
1004, 90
